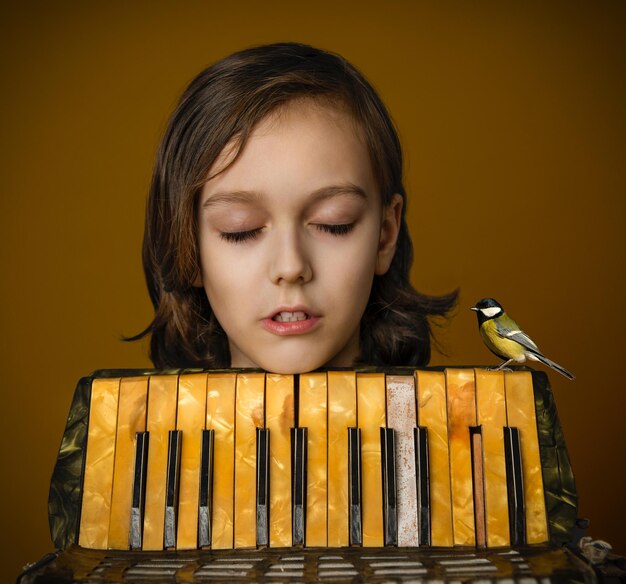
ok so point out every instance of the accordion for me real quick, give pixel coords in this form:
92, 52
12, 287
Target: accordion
451, 474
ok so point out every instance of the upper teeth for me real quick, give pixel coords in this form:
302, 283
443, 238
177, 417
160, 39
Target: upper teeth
290, 316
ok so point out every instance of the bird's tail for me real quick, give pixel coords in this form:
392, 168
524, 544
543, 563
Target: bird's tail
539, 357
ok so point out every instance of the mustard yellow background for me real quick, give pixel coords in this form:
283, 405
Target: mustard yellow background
512, 116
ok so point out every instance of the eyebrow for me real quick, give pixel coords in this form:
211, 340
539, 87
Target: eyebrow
327, 192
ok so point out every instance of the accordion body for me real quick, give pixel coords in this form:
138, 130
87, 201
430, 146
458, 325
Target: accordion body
437, 474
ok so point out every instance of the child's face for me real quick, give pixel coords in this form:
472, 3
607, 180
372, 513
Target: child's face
290, 238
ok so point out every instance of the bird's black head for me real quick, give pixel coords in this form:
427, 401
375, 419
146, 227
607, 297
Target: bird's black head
486, 309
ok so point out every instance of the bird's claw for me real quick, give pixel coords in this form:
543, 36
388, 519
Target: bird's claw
499, 369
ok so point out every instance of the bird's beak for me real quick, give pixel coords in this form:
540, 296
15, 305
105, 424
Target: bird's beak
474, 309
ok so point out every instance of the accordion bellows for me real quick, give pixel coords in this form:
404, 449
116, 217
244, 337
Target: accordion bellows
368, 457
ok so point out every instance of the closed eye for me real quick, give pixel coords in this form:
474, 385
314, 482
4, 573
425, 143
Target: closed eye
240, 236
341, 229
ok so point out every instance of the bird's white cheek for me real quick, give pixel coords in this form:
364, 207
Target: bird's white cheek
491, 311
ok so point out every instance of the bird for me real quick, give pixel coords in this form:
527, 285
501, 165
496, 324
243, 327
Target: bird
506, 339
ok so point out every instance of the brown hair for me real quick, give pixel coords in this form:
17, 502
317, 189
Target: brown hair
224, 103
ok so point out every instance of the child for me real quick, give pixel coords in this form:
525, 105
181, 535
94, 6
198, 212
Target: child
275, 232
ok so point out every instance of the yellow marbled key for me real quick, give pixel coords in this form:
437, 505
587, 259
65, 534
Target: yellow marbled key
461, 415
341, 416
220, 411
491, 412
162, 398
100, 457
249, 415
401, 416
190, 419
313, 416
520, 407
279, 419
131, 418
371, 417
432, 414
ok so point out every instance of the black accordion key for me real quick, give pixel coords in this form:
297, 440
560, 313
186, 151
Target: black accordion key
423, 484
172, 488
298, 484
139, 490
206, 489
515, 485
262, 486
388, 459
355, 530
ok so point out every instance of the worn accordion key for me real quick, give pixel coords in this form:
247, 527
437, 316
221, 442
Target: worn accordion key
388, 455
262, 486
401, 416
139, 490
298, 484
206, 489
172, 488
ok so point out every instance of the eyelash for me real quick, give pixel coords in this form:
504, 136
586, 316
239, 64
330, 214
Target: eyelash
243, 236
240, 236
340, 229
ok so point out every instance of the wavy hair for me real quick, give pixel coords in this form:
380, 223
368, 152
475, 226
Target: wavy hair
222, 105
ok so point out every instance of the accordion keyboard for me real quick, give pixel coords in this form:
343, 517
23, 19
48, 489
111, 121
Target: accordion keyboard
225, 460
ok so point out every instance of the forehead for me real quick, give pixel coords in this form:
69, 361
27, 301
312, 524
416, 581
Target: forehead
305, 138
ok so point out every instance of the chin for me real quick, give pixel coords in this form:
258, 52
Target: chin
290, 368
293, 366
289, 364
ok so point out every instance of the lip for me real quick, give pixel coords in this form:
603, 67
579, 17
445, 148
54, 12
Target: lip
299, 327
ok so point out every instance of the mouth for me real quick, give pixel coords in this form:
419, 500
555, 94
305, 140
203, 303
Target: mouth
286, 316
291, 320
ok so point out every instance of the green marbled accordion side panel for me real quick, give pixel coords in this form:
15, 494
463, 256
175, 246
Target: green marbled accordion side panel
558, 477
64, 500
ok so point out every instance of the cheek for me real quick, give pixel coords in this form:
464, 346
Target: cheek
350, 273
359, 259
225, 265
218, 279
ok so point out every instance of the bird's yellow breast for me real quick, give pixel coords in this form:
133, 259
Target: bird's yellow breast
504, 348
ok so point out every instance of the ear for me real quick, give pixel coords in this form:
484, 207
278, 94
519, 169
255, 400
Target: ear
389, 229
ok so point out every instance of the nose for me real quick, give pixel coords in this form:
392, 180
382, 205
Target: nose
290, 262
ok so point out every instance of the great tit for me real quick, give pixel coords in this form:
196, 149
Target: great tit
505, 339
